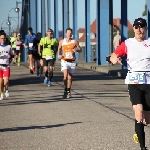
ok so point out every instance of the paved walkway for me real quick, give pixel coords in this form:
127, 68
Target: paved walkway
98, 116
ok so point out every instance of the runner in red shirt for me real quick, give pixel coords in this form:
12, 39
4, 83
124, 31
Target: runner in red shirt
137, 50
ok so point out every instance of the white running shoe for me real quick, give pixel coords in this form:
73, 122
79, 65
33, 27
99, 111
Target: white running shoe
7, 93
1, 97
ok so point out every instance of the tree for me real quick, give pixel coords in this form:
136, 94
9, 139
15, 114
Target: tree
145, 11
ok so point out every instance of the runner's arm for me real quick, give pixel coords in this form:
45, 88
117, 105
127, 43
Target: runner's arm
79, 49
60, 50
119, 52
26, 42
39, 46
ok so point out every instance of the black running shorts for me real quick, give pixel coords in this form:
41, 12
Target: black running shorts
140, 94
46, 62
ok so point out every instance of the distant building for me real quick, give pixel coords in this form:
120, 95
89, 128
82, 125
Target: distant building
81, 31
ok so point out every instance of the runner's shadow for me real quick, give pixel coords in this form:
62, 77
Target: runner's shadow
36, 127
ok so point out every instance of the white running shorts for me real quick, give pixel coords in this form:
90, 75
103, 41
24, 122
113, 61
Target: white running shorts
70, 66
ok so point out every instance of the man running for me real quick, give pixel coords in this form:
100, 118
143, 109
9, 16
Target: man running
137, 50
66, 52
37, 57
5, 55
48, 44
30, 44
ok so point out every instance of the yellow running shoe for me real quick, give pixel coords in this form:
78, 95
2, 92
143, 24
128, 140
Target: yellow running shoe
135, 137
18, 64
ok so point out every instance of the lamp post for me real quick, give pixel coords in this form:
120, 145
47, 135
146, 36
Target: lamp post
9, 24
17, 10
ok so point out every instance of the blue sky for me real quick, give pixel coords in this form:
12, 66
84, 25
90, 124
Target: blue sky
135, 9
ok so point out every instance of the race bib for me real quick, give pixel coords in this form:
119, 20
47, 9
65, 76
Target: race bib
17, 48
135, 78
48, 57
30, 45
69, 55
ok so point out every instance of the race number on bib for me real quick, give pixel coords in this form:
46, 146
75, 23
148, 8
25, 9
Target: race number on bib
30, 45
69, 55
17, 48
48, 57
135, 78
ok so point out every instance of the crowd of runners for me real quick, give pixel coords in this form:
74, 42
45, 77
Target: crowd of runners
42, 56
41, 52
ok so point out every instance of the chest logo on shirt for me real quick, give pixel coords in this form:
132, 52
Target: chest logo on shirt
146, 45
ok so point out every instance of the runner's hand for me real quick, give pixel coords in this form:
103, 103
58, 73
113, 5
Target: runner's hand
59, 56
74, 50
40, 54
8, 56
115, 59
26, 46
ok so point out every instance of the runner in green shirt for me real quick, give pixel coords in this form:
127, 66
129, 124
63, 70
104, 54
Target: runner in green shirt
48, 54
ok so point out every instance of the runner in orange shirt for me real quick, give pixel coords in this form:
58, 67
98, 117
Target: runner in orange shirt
66, 52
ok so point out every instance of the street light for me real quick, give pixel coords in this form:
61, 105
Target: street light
17, 10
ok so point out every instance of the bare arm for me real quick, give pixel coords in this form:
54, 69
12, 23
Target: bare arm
115, 59
79, 49
60, 50
39, 49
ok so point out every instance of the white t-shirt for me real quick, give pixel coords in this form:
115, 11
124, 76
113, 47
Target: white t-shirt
5, 50
138, 55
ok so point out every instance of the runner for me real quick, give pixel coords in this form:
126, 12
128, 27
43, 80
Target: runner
138, 77
5, 55
66, 52
48, 44
19, 43
13, 45
30, 45
37, 57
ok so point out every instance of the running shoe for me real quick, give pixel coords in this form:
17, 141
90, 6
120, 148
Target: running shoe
7, 93
65, 94
1, 97
135, 137
45, 81
49, 83
68, 95
31, 71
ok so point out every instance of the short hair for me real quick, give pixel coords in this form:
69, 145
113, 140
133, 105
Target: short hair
68, 29
30, 29
2, 33
50, 29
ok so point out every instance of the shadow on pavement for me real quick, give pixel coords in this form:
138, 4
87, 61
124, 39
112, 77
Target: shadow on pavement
36, 127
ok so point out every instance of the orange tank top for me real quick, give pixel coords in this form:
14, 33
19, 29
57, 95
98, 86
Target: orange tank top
67, 48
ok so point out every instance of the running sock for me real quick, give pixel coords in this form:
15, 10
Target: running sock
65, 90
68, 90
46, 74
41, 70
139, 129
50, 75
18, 60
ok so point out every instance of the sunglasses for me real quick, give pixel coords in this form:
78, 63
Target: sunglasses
139, 26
